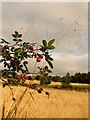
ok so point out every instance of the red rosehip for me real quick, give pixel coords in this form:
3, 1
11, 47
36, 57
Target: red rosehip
38, 59
47, 93
40, 56
23, 79
6, 47
31, 47
4, 85
45, 74
30, 77
13, 99
25, 76
41, 89
0, 47
15, 77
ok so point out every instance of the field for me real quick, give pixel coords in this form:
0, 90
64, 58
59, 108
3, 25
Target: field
60, 104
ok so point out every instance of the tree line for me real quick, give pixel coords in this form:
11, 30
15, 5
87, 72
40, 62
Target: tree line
77, 78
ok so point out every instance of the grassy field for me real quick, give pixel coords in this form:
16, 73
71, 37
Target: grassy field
60, 104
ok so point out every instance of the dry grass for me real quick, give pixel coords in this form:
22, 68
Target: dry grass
61, 104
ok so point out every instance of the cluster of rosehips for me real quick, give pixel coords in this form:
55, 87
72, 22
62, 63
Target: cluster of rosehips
45, 74
24, 77
39, 58
39, 55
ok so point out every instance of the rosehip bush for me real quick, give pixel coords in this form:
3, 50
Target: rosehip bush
14, 58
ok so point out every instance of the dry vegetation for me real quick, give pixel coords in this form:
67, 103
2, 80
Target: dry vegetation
60, 104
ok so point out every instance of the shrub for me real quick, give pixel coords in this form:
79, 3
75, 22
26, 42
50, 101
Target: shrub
65, 82
45, 80
15, 62
14, 57
56, 78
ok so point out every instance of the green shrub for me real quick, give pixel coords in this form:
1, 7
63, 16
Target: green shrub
56, 78
45, 80
65, 82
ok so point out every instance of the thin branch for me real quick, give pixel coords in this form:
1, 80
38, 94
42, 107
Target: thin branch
8, 86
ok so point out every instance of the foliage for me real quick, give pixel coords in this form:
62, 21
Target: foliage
56, 78
45, 80
14, 57
66, 81
81, 78
77, 78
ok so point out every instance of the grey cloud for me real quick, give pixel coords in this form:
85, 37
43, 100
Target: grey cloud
70, 64
36, 16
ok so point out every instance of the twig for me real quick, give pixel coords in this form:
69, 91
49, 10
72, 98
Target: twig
8, 86
3, 111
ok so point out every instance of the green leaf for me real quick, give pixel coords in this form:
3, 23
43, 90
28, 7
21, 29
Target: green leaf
44, 43
16, 50
49, 71
19, 52
46, 67
14, 39
20, 35
19, 40
50, 58
25, 62
12, 79
4, 41
25, 54
43, 49
16, 33
22, 57
50, 64
50, 47
12, 49
51, 42
46, 59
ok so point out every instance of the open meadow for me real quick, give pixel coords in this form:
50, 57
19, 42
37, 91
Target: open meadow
60, 104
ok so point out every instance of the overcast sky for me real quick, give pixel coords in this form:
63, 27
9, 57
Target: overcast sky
43, 21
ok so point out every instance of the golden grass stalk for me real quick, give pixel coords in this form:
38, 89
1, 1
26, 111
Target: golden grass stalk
15, 105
